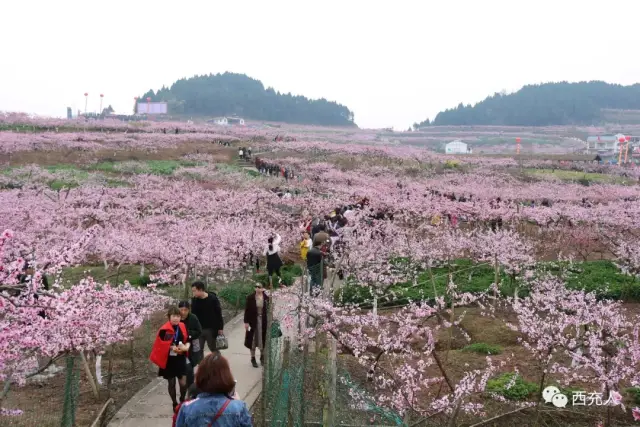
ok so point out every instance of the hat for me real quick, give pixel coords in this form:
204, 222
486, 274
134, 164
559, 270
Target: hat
332, 214
258, 285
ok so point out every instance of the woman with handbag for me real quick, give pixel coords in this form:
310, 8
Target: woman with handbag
255, 322
169, 353
217, 404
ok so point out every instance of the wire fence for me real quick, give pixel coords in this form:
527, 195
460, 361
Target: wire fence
63, 395
305, 382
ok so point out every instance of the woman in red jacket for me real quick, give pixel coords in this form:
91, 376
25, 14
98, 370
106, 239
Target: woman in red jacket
170, 351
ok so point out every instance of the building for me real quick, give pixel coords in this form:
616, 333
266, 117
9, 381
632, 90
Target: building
151, 108
608, 145
225, 121
221, 121
235, 120
457, 147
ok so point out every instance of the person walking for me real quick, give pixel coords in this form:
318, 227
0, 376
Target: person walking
240, 153
206, 306
255, 322
316, 267
305, 244
217, 403
274, 263
194, 330
169, 353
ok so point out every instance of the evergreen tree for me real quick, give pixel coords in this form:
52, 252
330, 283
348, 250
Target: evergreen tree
237, 94
544, 105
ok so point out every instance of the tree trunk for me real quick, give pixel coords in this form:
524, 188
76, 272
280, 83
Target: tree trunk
87, 370
99, 369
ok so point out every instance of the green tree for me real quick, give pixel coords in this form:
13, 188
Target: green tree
231, 93
545, 104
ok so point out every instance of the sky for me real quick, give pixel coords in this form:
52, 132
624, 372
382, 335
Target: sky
392, 63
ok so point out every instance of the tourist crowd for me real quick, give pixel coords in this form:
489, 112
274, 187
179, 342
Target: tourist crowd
206, 384
272, 169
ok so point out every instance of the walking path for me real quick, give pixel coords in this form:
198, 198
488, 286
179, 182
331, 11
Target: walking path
151, 406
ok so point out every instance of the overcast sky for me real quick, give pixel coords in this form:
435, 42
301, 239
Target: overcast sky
391, 62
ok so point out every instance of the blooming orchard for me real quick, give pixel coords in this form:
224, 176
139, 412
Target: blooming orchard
424, 212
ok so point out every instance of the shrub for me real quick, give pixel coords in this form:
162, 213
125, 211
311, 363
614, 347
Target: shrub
483, 348
634, 394
519, 390
289, 273
584, 181
140, 281
236, 293
353, 294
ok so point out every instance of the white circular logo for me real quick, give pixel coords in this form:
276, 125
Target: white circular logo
552, 394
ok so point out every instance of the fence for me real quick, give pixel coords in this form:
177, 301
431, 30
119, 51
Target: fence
305, 382
62, 396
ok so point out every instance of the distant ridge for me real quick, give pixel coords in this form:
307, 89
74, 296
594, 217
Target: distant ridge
238, 94
563, 103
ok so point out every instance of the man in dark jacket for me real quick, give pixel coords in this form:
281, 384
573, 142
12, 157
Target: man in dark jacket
315, 267
206, 307
195, 330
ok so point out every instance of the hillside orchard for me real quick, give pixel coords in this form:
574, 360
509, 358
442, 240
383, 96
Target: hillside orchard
551, 266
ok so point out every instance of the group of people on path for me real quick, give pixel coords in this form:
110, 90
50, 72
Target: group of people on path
271, 169
284, 138
244, 153
320, 243
206, 384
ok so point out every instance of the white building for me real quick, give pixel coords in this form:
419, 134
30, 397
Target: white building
607, 145
222, 121
235, 120
457, 147
225, 121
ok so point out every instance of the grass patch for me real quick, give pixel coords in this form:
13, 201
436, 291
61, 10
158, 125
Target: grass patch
576, 176
235, 293
601, 276
634, 394
59, 184
483, 348
519, 390
289, 274
73, 275
109, 167
605, 279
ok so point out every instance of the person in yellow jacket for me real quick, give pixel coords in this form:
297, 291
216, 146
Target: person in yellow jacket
305, 245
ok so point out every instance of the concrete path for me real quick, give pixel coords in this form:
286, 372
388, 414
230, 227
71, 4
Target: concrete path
151, 406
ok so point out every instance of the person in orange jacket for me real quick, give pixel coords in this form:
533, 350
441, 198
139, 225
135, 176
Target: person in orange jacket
169, 353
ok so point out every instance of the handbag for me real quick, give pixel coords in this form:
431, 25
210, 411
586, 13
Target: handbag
195, 346
220, 412
222, 343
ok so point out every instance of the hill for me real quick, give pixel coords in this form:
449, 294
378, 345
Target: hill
583, 103
238, 94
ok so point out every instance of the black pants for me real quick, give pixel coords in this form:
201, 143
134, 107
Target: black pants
190, 375
209, 336
271, 270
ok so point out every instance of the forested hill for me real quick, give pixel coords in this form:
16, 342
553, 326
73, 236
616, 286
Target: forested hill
546, 104
237, 94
